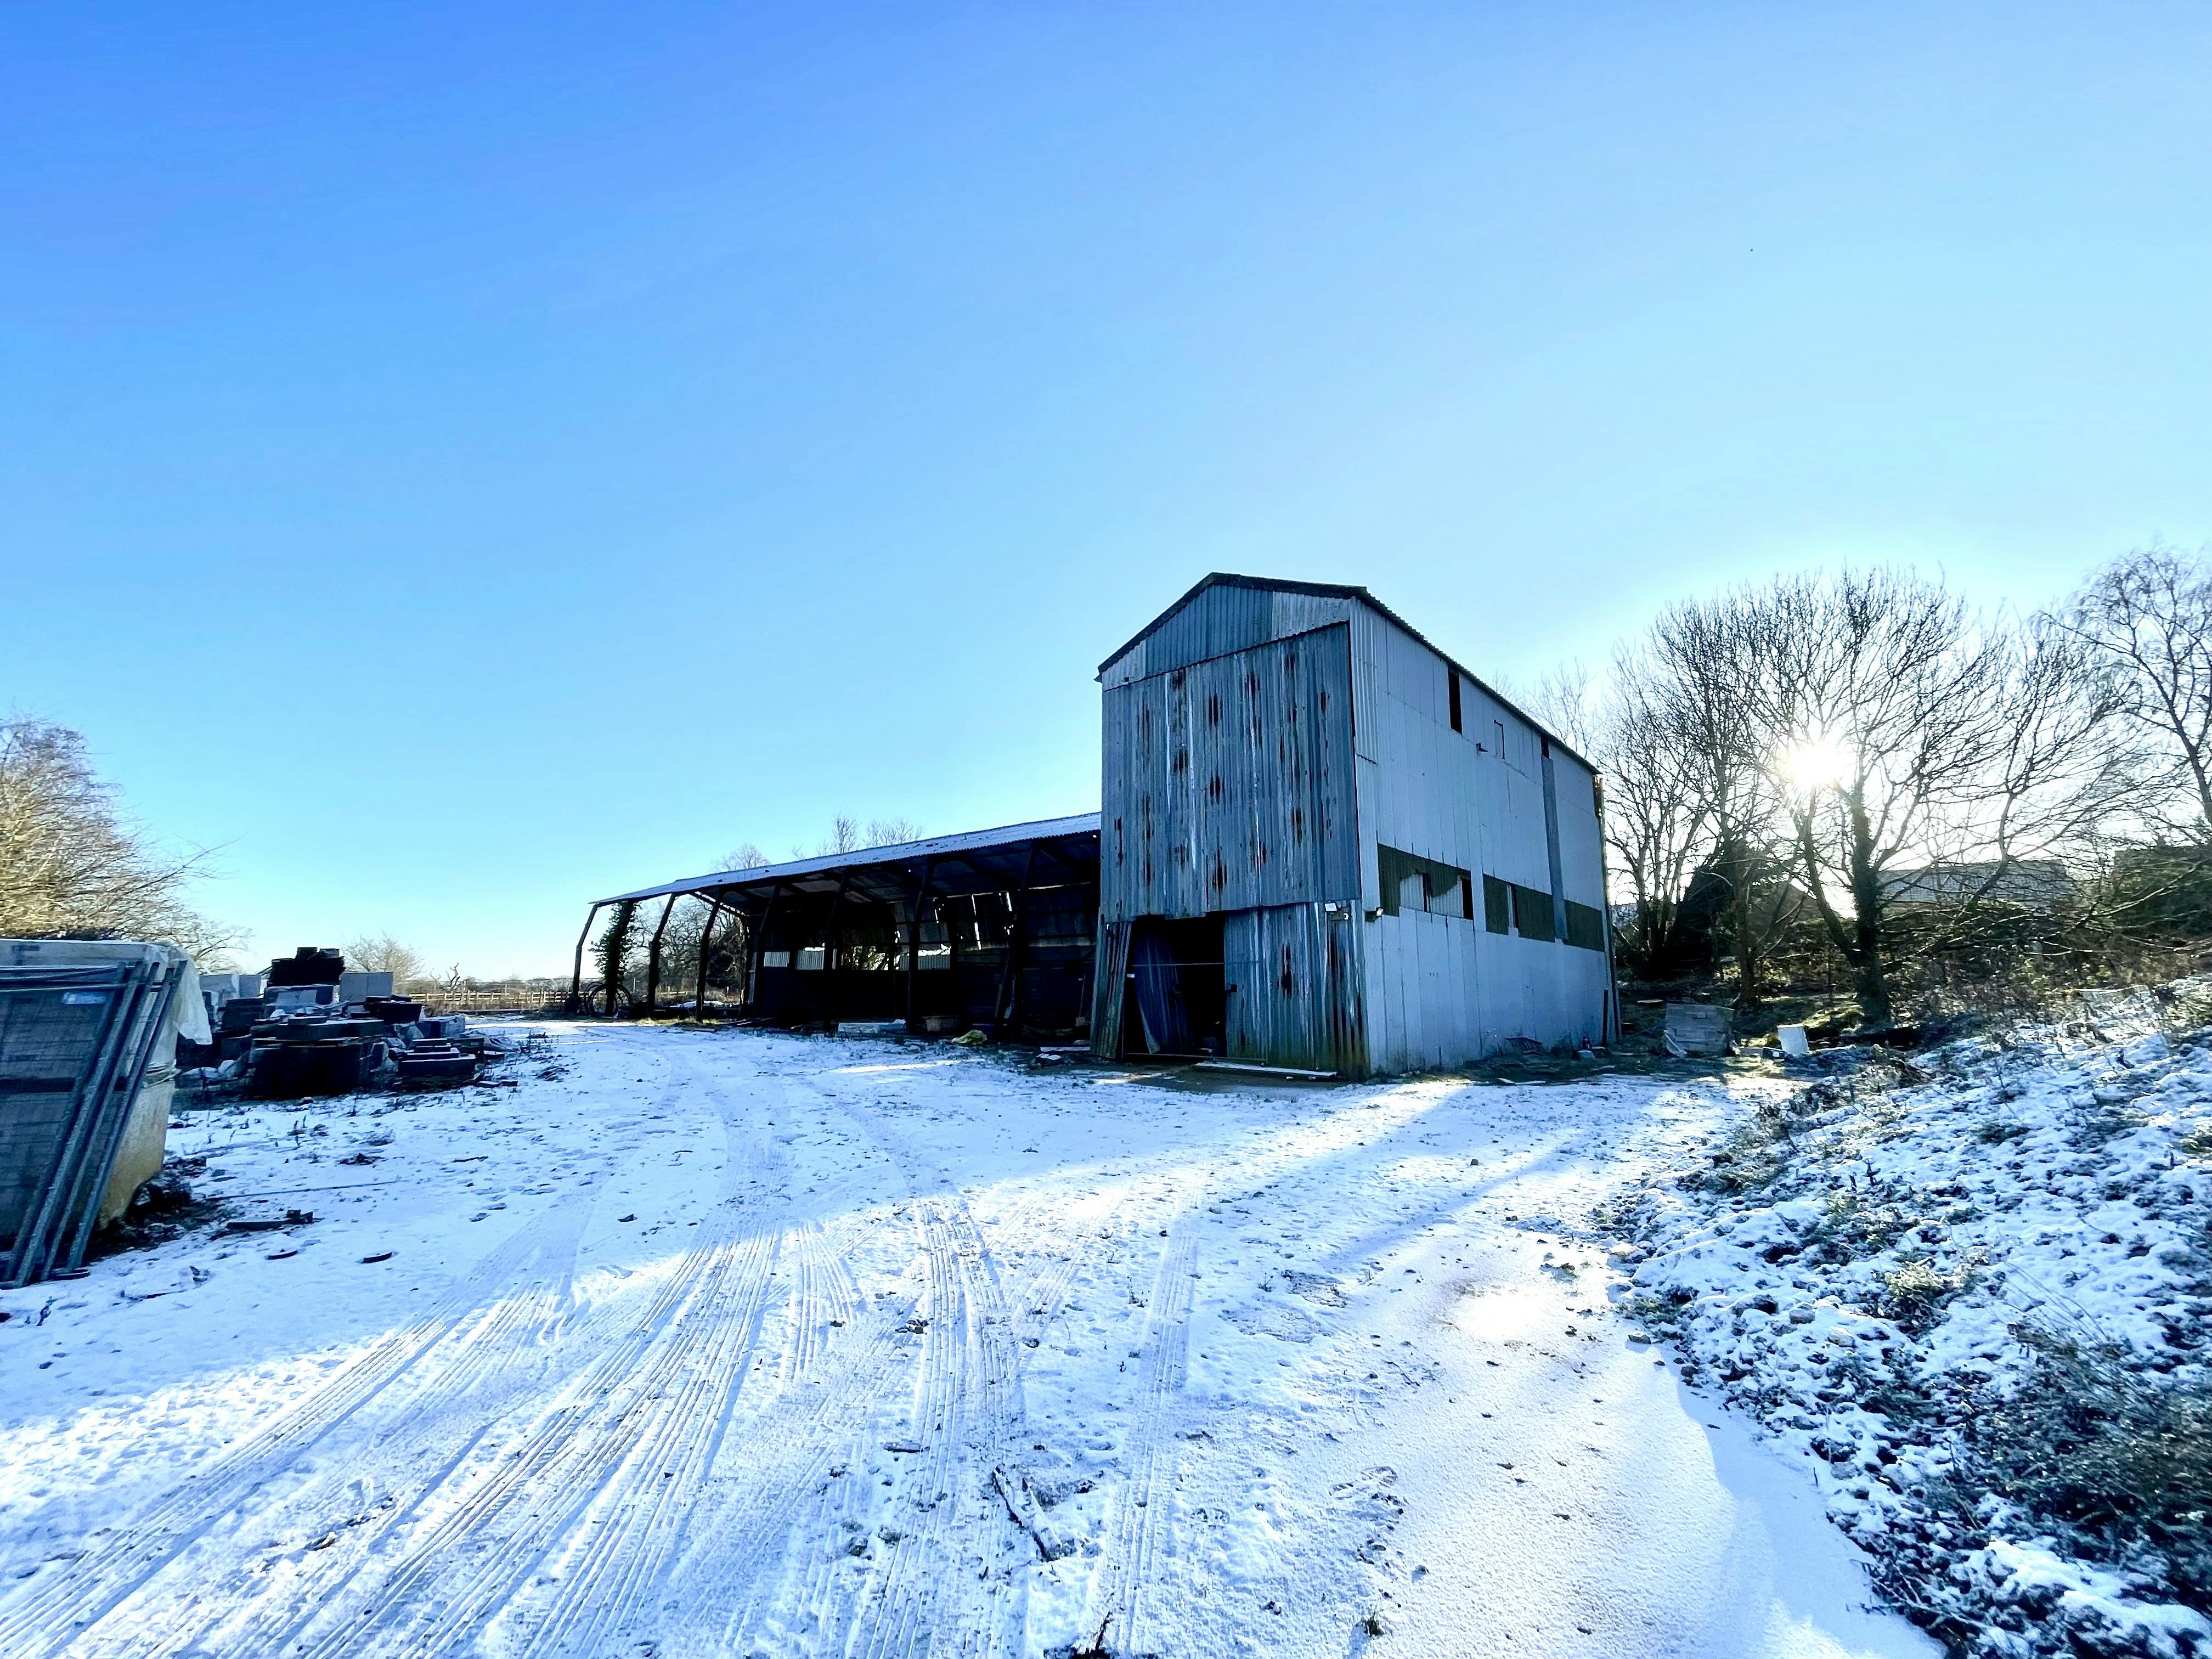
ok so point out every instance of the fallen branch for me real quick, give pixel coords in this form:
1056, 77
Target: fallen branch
1006, 1495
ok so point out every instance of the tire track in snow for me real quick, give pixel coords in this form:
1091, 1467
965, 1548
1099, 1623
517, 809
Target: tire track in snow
774, 1562
967, 1417
462, 1555
463, 1561
248, 1606
896, 1618
1116, 1615
54, 1608
966, 1601
613, 1585
790, 1516
1040, 1305
994, 1438
962, 1406
630, 1535
628, 1541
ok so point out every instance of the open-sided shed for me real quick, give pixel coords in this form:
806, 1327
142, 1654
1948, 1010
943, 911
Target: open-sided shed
993, 928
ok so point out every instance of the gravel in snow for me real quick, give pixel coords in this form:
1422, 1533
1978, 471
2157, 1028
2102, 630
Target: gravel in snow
734, 1343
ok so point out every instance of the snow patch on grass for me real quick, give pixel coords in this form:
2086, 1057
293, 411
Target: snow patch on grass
1970, 1290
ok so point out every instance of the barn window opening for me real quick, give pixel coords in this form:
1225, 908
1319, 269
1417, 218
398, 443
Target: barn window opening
1452, 675
1532, 912
1585, 926
1497, 905
1410, 882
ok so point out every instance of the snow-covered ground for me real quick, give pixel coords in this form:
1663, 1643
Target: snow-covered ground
732, 1343
1859, 1279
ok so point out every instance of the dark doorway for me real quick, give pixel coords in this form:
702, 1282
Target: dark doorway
1176, 1001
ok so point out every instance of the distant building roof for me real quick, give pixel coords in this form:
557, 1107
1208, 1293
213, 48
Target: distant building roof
2036, 882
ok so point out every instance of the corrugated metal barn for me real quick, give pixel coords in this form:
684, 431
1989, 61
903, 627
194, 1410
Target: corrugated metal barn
1325, 845
992, 927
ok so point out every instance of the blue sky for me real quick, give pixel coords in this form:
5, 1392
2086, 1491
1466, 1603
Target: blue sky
463, 462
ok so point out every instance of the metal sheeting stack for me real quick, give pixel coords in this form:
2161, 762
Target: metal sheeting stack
77, 1040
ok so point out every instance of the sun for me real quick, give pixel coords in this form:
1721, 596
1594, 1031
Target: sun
1818, 762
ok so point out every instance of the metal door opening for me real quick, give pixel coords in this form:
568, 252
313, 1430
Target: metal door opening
1176, 1001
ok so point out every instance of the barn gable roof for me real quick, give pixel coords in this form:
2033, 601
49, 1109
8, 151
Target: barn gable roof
1350, 594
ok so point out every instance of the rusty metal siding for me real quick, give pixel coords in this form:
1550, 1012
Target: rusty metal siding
1109, 988
1297, 970
1221, 620
1212, 743
1227, 784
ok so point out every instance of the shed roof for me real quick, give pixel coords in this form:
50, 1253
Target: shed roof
991, 854
1338, 591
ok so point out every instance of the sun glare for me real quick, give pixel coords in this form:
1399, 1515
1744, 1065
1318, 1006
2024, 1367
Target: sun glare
1816, 763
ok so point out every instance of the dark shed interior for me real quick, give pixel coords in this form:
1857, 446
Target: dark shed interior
995, 929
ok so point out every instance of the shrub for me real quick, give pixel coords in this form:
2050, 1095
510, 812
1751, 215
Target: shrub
1859, 1223
2124, 1463
1751, 1160
1917, 1293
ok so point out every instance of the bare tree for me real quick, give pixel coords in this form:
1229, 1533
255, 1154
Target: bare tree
1567, 700
2070, 766
1692, 813
1656, 828
697, 924
70, 864
1715, 682
745, 857
383, 954
1886, 705
847, 836
2149, 615
1925, 752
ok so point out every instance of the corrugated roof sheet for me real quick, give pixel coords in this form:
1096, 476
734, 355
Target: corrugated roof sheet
973, 841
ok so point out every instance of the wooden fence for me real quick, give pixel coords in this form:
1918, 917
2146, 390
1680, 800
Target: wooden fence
494, 999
